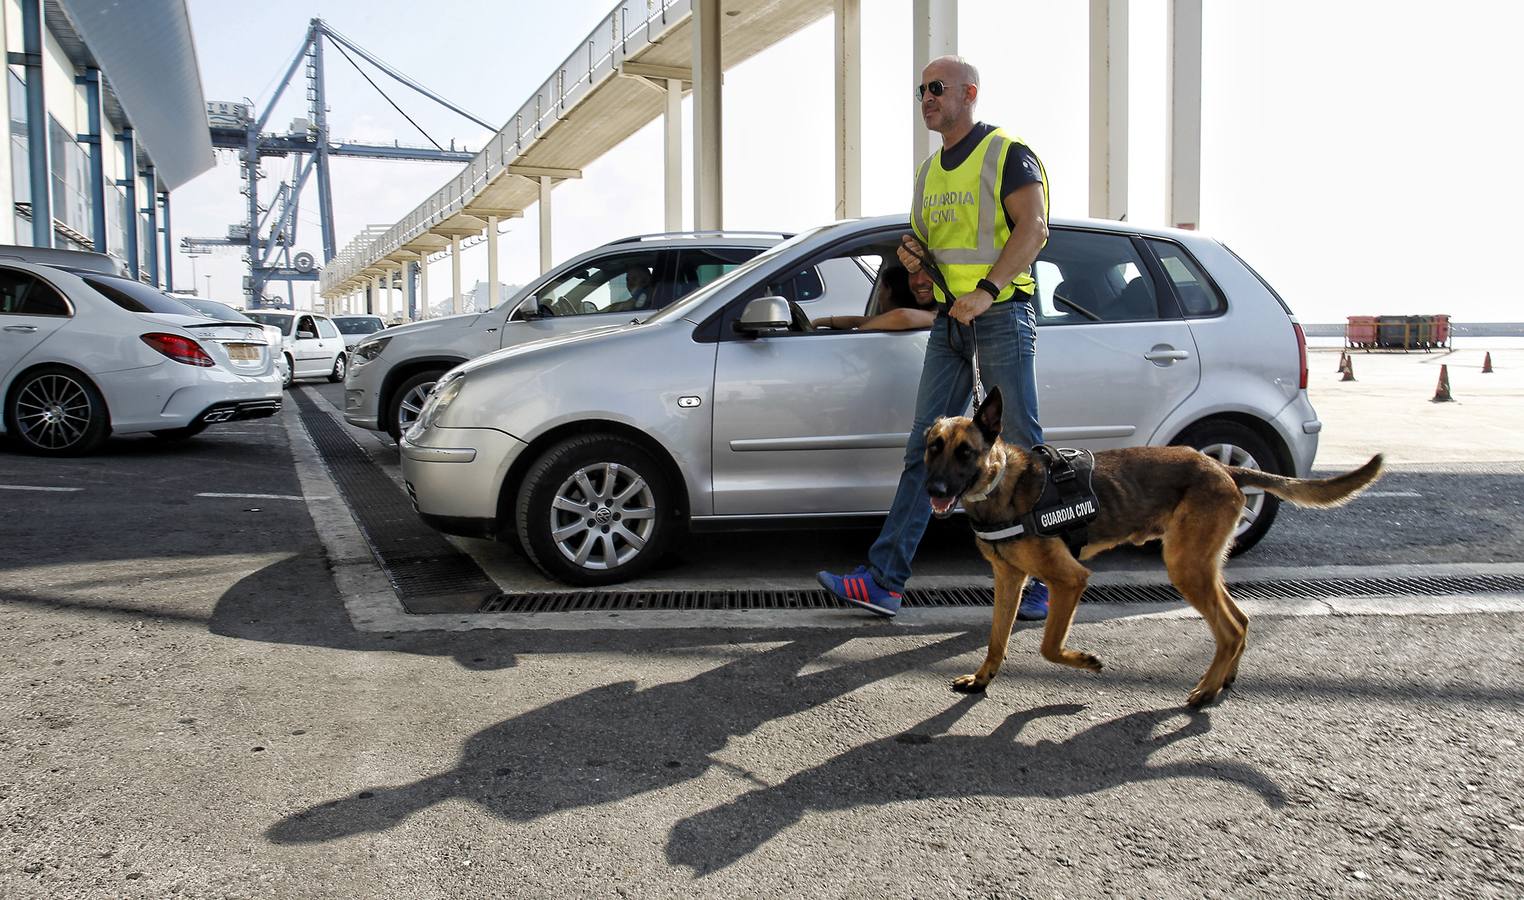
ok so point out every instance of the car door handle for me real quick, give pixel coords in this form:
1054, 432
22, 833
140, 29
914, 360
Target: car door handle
21, 329
1166, 355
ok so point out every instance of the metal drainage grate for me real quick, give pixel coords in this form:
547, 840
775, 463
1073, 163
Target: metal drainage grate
629, 601
428, 573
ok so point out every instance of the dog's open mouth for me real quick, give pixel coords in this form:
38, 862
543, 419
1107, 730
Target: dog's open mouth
942, 507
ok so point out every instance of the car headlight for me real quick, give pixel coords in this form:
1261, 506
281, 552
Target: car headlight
439, 400
367, 350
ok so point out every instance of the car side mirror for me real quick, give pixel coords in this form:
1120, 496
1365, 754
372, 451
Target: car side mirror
765, 315
306, 335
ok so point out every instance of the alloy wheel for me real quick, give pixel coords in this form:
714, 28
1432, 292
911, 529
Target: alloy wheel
602, 516
412, 405
1254, 498
53, 412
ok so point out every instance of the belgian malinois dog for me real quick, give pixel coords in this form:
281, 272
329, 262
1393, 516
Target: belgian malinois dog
1177, 494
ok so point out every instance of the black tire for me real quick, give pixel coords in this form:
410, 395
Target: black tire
1242, 447
407, 400
180, 434
56, 411
340, 366
290, 373
611, 555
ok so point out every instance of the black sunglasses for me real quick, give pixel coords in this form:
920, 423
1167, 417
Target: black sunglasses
937, 88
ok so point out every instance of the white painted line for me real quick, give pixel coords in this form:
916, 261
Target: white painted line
1391, 494
29, 487
263, 496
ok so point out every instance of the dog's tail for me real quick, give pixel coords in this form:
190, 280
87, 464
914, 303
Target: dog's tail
1319, 492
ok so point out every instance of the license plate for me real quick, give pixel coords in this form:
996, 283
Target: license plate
243, 352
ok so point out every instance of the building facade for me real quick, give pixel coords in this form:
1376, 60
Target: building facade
106, 98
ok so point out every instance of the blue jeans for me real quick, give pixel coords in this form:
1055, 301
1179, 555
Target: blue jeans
1008, 358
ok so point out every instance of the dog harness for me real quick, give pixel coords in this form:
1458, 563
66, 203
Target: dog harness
1064, 509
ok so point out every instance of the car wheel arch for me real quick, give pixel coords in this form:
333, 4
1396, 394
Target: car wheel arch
10, 388
1262, 429
400, 373
508, 491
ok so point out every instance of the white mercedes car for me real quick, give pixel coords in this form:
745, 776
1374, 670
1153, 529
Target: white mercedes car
84, 355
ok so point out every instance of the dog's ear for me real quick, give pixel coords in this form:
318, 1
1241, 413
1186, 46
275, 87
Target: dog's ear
987, 416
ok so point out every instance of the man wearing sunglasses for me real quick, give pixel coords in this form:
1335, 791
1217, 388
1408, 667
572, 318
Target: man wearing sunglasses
980, 216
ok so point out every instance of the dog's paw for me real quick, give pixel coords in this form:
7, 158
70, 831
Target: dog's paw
1088, 662
968, 684
1201, 696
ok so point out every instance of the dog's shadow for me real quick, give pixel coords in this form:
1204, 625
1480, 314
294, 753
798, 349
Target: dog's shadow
926, 763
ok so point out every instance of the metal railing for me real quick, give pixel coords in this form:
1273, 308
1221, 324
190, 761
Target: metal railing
621, 34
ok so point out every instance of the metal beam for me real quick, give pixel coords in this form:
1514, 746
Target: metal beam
41, 175
933, 33
656, 72
91, 80
1108, 109
544, 172
129, 186
320, 121
1184, 151
849, 95
371, 58
169, 245
151, 182
708, 112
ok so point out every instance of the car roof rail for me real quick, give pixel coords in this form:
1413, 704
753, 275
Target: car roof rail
660, 235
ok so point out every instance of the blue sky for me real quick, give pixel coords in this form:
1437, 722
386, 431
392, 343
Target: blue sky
1361, 155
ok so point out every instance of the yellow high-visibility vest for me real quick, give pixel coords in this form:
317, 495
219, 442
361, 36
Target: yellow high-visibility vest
958, 216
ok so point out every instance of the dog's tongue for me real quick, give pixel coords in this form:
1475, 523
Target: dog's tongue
941, 505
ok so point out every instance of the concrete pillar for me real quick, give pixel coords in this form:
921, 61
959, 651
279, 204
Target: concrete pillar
1108, 109
933, 33
672, 154
545, 256
377, 303
708, 168
409, 292
386, 302
1183, 155
424, 311
849, 101
492, 291
455, 302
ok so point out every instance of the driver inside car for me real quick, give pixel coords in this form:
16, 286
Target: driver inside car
902, 302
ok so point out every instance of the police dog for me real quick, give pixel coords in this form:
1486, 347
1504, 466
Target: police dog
1186, 498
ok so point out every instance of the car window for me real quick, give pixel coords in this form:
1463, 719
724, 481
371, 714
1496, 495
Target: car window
1198, 296
327, 329
697, 267
1083, 277
215, 310
305, 324
134, 296
857, 260
622, 283
359, 324
283, 322
23, 294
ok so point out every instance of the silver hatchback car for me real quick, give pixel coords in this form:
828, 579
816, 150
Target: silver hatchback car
595, 452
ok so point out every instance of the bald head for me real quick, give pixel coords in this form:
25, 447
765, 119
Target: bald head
950, 113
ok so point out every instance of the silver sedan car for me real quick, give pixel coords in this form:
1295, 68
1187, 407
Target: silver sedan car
595, 452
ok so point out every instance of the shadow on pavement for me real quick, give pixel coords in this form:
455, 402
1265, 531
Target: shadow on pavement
926, 763
616, 741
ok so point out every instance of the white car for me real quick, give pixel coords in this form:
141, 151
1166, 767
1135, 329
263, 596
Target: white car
221, 312
312, 343
357, 328
84, 355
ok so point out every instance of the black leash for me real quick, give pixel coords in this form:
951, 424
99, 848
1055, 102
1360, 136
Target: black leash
941, 282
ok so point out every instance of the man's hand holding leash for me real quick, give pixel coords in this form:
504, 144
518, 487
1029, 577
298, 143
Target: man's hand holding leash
965, 308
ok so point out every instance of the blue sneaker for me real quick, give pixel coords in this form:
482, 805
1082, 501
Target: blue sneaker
1034, 602
858, 588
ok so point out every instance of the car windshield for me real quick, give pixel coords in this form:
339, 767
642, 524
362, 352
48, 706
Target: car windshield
282, 321
134, 296
359, 324
681, 308
212, 309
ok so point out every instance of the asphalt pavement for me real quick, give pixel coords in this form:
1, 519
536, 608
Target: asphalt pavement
191, 710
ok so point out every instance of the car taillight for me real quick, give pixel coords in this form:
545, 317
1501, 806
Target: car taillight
1301, 353
180, 349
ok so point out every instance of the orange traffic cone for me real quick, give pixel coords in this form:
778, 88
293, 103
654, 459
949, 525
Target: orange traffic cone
1348, 369
1442, 391
1487, 363
1343, 358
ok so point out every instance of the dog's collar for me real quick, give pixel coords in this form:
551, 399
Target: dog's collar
990, 488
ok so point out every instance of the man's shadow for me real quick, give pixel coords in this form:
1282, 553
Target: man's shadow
613, 742
928, 763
